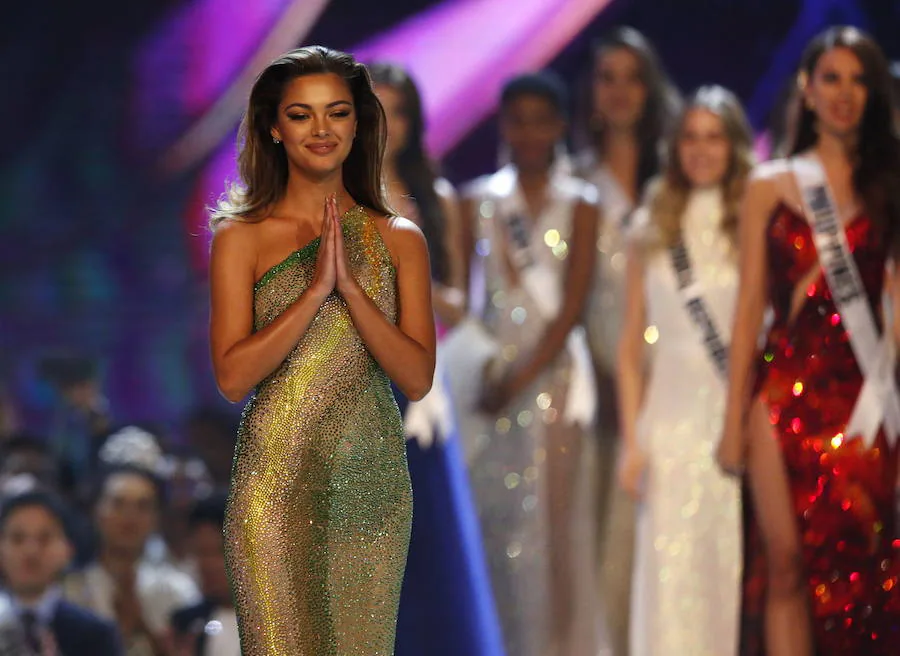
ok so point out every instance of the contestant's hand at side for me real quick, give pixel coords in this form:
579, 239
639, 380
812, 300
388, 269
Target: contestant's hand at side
731, 453
631, 470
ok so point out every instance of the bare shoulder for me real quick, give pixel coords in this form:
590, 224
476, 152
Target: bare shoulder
445, 190
236, 239
771, 174
768, 184
401, 236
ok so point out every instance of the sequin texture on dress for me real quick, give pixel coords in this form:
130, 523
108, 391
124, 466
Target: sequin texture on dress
842, 492
319, 514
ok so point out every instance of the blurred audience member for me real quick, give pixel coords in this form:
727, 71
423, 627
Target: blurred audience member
208, 628
26, 464
121, 584
35, 548
23, 453
187, 480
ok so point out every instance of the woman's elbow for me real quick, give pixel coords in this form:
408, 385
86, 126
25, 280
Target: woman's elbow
232, 390
416, 389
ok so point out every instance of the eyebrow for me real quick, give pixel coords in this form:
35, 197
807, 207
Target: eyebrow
336, 103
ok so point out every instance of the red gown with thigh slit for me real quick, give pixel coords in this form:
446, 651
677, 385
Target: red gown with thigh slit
842, 492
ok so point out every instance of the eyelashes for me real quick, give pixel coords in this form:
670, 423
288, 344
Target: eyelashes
304, 117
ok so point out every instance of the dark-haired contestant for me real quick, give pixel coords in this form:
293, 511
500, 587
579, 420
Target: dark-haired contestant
630, 107
319, 299
531, 468
446, 608
820, 424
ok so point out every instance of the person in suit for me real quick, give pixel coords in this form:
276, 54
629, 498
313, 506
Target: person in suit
35, 548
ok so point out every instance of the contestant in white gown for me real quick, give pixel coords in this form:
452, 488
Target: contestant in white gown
531, 458
686, 587
632, 106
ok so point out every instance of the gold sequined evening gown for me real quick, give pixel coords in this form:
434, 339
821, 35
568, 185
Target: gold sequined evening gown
320, 508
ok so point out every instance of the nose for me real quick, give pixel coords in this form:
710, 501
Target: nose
846, 87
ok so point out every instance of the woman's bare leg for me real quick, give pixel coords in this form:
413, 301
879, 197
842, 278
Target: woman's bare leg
787, 621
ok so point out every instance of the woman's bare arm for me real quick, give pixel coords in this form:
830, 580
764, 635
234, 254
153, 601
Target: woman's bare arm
449, 298
759, 202
406, 350
630, 360
579, 277
240, 357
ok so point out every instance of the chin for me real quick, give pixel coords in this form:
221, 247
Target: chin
322, 168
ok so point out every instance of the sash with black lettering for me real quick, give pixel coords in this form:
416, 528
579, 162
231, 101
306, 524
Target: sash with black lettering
878, 402
543, 287
691, 292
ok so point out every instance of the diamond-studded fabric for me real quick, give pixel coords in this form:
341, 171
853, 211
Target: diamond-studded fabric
843, 493
320, 507
531, 470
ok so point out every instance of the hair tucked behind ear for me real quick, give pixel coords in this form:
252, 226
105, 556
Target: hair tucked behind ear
263, 165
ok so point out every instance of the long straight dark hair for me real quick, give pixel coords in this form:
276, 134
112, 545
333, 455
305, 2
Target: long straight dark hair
415, 169
263, 165
876, 173
661, 108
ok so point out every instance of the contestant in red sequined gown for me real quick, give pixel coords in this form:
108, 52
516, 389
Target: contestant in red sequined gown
843, 493
821, 557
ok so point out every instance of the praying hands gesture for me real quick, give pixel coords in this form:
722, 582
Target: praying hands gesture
332, 266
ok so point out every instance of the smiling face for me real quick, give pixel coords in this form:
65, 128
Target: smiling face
34, 550
316, 123
127, 512
837, 93
532, 126
619, 91
704, 151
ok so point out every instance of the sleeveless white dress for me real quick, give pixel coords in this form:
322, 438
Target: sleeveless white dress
615, 508
531, 465
686, 587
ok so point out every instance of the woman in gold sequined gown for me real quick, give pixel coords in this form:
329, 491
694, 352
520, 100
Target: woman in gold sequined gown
318, 299
686, 591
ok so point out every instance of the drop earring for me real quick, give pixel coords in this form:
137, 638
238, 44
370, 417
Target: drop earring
276, 140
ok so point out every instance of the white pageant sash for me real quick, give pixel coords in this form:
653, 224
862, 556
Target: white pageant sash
542, 285
878, 403
691, 292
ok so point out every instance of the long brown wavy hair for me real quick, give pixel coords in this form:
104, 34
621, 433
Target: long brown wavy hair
416, 170
876, 171
670, 196
660, 110
263, 164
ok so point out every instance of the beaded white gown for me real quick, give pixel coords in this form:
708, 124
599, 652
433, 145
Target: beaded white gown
686, 587
531, 466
